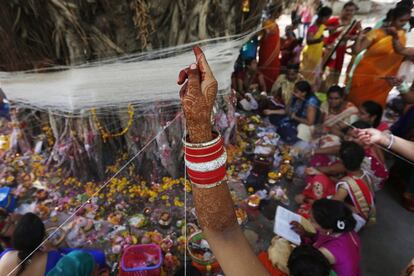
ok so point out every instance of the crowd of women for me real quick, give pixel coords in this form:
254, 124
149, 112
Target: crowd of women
302, 98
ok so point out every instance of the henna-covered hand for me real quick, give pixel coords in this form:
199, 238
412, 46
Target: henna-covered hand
198, 95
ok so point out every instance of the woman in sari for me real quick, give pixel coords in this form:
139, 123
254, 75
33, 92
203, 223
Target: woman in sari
354, 189
298, 119
368, 80
313, 51
269, 63
335, 237
338, 113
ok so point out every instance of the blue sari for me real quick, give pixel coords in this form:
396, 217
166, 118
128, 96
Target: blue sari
286, 126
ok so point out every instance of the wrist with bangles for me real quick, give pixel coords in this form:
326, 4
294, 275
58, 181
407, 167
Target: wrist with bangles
206, 162
391, 141
387, 140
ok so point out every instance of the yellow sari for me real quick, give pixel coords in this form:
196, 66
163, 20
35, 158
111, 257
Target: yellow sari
311, 56
379, 61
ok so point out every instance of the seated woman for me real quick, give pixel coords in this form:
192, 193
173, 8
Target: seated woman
297, 120
282, 88
319, 185
337, 113
371, 112
250, 80
354, 188
28, 235
335, 237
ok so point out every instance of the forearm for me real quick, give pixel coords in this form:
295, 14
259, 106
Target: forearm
400, 49
398, 145
205, 160
215, 214
234, 253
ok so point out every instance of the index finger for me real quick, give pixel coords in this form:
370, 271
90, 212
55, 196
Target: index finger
202, 62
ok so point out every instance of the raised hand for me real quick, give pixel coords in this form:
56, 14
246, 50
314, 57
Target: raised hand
370, 136
198, 95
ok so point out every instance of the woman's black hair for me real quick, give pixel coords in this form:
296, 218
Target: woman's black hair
361, 125
275, 8
304, 86
336, 89
28, 235
351, 155
306, 260
324, 12
358, 124
405, 3
373, 109
397, 12
333, 214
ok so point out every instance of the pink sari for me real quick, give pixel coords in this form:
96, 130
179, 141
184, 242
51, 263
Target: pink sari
346, 250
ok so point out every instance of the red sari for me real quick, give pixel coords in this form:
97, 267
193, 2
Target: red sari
269, 51
318, 186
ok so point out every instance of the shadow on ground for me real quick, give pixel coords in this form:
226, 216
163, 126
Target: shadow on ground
388, 246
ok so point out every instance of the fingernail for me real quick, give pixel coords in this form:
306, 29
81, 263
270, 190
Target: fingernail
193, 66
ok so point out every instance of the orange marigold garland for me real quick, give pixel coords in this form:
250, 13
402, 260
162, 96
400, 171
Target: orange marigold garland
105, 133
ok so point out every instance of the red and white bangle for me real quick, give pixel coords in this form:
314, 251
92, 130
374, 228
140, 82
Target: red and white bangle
206, 162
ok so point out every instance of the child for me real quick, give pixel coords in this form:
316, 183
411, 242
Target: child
353, 188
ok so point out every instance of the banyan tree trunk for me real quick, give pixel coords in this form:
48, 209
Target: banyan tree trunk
41, 33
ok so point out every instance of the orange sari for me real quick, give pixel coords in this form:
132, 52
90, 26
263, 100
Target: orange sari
269, 63
379, 61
